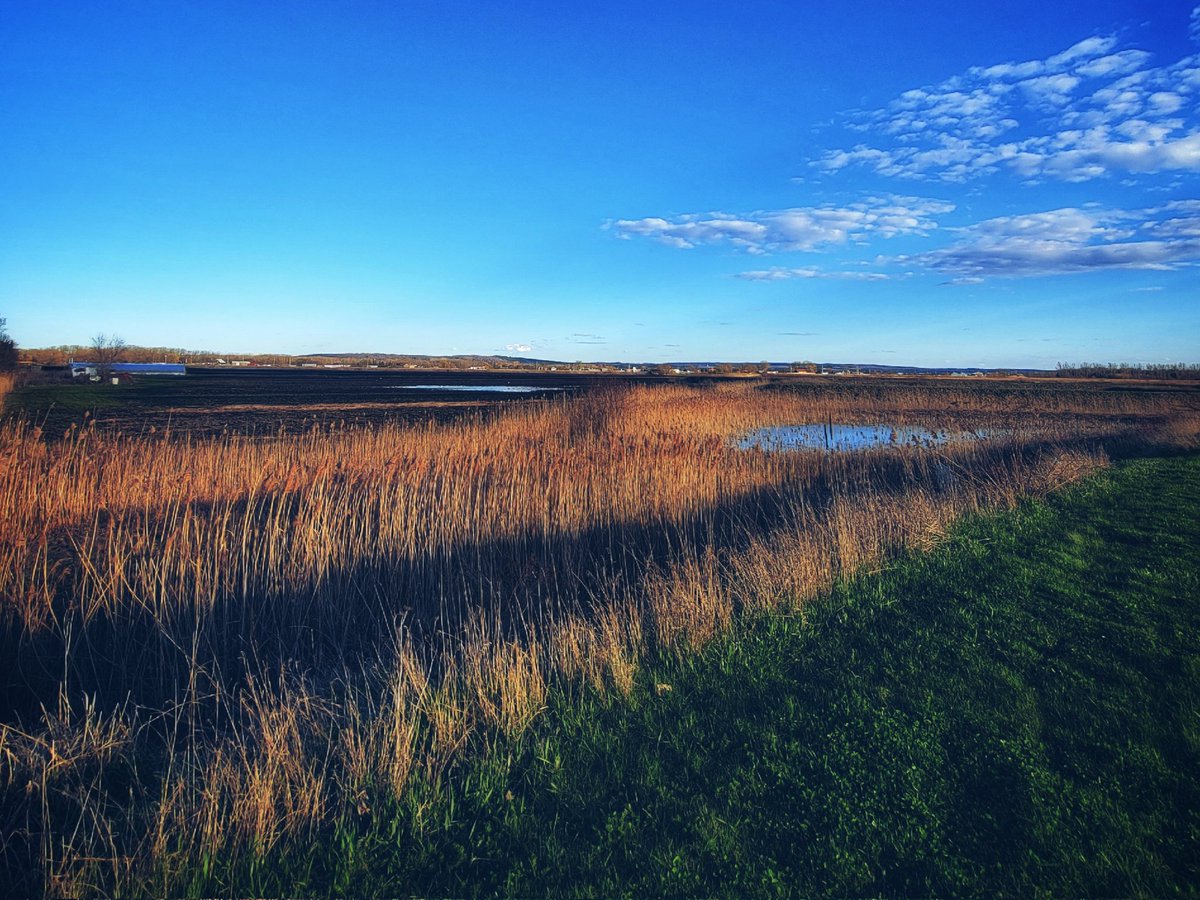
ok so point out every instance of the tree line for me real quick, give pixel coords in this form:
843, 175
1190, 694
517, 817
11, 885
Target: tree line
1188, 371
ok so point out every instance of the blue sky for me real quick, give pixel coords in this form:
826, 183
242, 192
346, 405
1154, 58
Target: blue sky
933, 184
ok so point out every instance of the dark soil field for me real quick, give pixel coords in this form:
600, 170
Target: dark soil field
263, 401
210, 401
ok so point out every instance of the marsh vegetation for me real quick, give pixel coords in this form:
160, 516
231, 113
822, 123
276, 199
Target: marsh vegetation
215, 646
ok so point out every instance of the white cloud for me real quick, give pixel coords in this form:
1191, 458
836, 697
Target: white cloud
688, 231
796, 229
1088, 48
1114, 64
1165, 102
1089, 111
518, 348
782, 273
1054, 90
1071, 240
1195, 25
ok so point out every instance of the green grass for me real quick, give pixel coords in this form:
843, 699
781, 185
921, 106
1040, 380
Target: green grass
36, 399
1017, 712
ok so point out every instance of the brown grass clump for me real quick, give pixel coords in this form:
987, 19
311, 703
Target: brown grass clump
244, 639
271, 781
688, 602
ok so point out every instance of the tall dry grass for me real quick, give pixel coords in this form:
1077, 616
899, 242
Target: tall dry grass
214, 645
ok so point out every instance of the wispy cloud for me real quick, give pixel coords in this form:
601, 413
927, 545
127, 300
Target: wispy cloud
518, 348
1070, 240
799, 228
1095, 109
1092, 110
782, 273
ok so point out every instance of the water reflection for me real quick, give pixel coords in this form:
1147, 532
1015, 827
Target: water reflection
477, 388
833, 437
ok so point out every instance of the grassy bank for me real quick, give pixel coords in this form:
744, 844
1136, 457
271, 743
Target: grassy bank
1016, 712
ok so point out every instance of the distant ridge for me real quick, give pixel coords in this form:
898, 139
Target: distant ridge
62, 354
466, 357
872, 368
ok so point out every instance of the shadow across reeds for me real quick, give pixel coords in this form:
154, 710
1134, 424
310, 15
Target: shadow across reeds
122, 649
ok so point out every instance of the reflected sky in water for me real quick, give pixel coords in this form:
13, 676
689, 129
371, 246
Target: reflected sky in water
835, 437
477, 388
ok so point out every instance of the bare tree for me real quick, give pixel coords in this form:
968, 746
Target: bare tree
8, 349
107, 350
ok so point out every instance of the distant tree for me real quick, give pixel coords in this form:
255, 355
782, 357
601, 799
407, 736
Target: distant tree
8, 349
1128, 370
662, 369
47, 356
106, 351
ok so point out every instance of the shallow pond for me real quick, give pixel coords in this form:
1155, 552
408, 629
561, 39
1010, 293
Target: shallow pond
477, 388
833, 437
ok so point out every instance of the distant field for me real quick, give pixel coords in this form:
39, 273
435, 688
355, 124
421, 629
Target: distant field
215, 652
208, 401
262, 401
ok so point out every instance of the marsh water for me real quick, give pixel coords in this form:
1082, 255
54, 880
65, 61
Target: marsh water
477, 388
834, 437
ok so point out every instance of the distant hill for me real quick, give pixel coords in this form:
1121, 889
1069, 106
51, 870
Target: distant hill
928, 370
401, 358
61, 355
874, 368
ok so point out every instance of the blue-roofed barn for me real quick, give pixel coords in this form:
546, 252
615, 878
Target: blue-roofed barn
91, 369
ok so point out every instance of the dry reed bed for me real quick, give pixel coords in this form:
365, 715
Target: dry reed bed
217, 644
91, 471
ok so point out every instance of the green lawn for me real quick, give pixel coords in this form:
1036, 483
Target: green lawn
1017, 712
58, 406
39, 399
